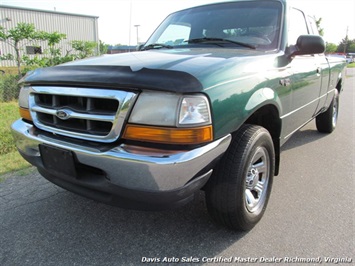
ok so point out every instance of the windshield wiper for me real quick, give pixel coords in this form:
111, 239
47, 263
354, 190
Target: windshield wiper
156, 46
206, 39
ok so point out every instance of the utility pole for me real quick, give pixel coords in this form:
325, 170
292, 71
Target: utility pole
346, 40
130, 25
137, 26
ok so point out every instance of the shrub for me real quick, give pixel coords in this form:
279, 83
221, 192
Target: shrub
9, 88
8, 113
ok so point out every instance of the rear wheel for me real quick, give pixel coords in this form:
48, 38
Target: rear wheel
327, 121
238, 192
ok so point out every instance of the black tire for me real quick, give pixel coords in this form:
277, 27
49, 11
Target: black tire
327, 121
238, 177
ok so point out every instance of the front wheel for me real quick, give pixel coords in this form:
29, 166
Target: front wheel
239, 189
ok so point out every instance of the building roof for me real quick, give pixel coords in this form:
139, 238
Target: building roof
47, 11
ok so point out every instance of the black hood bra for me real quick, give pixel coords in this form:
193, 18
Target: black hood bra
115, 77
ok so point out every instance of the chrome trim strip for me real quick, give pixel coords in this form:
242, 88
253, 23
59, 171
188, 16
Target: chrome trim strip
304, 106
298, 109
72, 114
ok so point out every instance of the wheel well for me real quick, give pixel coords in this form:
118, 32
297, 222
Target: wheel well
268, 117
339, 85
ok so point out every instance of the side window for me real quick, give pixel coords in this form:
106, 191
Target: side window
33, 49
297, 26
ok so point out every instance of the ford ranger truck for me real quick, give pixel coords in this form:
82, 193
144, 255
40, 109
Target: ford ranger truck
206, 103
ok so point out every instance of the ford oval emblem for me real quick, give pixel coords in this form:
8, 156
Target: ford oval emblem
63, 114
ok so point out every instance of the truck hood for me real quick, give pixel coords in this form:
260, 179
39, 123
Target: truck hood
177, 70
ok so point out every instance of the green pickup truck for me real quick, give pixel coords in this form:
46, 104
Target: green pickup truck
205, 104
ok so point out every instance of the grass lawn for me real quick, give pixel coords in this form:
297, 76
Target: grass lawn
10, 159
10, 70
12, 162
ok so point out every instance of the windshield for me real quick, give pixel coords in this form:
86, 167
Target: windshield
255, 23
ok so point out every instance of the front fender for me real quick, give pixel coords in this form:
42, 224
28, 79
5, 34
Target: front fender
262, 97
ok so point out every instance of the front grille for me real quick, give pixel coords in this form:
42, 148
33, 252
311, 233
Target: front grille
91, 114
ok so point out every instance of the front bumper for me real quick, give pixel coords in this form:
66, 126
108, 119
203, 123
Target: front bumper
125, 175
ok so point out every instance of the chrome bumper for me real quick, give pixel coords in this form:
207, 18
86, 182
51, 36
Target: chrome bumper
127, 166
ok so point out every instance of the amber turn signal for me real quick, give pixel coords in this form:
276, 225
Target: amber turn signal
169, 135
25, 113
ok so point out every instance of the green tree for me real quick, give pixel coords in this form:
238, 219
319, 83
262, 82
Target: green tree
6, 57
85, 48
53, 39
351, 48
17, 38
103, 47
331, 48
320, 29
346, 46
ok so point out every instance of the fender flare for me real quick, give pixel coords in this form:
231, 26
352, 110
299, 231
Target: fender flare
262, 97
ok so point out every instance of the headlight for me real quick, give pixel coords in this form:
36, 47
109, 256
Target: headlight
155, 109
170, 118
23, 103
194, 110
23, 97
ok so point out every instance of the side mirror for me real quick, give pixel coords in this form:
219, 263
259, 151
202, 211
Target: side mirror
309, 44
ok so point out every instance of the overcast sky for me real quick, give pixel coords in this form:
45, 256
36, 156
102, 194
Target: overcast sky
118, 17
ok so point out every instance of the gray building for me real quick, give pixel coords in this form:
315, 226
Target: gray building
75, 26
